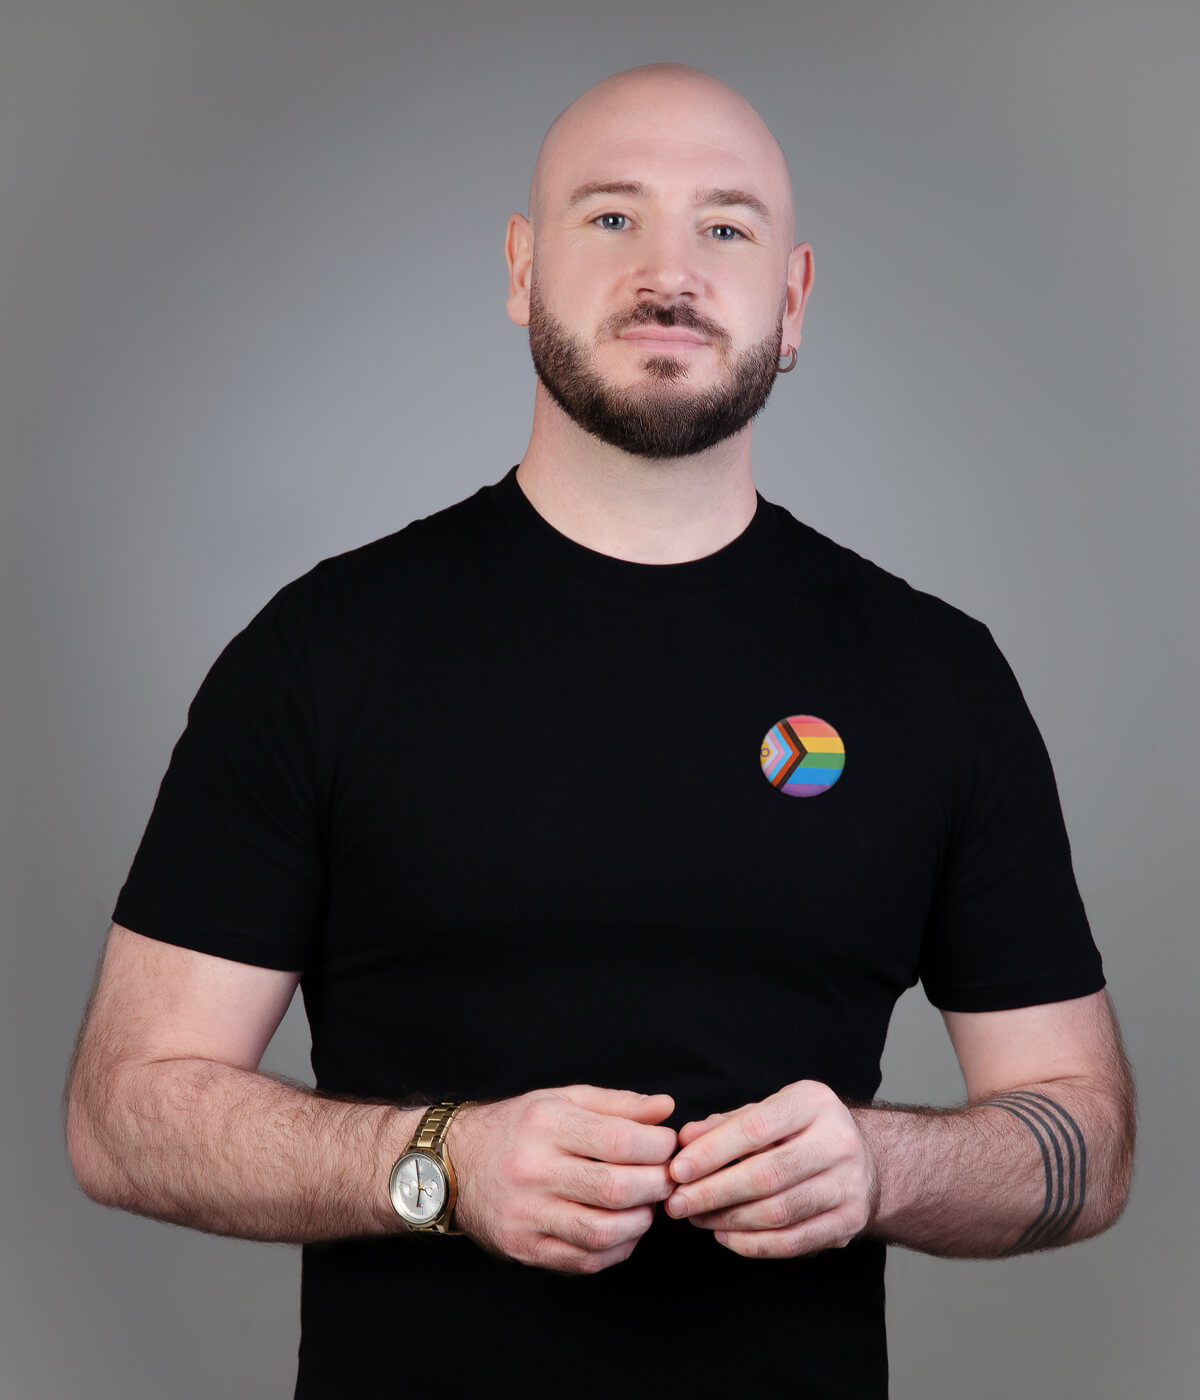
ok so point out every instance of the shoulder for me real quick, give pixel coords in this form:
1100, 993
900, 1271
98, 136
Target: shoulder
380, 586
431, 549
875, 609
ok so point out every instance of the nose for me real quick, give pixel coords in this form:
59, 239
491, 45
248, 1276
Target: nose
668, 266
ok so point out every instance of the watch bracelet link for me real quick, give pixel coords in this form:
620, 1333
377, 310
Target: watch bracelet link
433, 1126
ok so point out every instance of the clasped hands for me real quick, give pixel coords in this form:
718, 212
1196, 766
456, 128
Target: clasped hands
568, 1178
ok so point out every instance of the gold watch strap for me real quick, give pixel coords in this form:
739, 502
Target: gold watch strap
431, 1130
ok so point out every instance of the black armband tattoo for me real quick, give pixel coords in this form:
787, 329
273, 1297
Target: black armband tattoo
1064, 1158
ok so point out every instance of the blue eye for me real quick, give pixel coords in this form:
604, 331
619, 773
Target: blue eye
726, 229
601, 218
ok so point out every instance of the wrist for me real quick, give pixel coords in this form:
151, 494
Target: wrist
882, 1130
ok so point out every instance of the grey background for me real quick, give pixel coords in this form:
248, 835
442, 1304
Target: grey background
251, 291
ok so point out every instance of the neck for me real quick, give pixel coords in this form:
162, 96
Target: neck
635, 508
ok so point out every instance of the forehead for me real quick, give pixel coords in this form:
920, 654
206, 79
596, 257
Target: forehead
675, 139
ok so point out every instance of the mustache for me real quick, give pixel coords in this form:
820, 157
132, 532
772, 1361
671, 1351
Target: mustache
649, 313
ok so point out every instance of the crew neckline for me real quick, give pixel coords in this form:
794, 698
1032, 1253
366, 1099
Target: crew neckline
541, 540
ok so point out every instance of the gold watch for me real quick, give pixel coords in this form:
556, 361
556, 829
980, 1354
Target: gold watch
422, 1186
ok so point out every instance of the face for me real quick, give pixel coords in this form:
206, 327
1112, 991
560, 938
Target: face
656, 277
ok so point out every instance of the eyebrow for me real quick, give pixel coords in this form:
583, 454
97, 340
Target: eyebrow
634, 189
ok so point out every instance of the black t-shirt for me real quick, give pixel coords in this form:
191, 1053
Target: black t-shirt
527, 815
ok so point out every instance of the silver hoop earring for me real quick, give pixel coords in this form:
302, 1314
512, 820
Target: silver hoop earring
791, 365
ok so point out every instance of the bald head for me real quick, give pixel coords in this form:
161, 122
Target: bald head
672, 107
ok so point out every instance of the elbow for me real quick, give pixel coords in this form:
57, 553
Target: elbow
1117, 1160
82, 1152
1123, 1169
90, 1163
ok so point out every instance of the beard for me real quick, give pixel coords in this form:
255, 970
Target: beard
648, 420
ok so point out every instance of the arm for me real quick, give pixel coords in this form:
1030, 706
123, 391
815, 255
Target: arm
1040, 1154
167, 1115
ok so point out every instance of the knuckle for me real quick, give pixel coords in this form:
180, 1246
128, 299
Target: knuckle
848, 1141
540, 1115
757, 1126
616, 1142
778, 1212
597, 1236
700, 1199
523, 1167
767, 1178
608, 1187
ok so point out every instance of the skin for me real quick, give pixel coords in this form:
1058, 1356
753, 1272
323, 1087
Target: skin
168, 1113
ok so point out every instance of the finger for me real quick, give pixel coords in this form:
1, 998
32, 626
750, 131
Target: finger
691, 1131
760, 1176
812, 1198
606, 1138
621, 1103
596, 1231
829, 1231
612, 1187
746, 1131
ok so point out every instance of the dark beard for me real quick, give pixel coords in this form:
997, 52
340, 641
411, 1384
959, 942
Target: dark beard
638, 419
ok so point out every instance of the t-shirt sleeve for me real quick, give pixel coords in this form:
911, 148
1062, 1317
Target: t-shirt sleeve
1007, 927
231, 860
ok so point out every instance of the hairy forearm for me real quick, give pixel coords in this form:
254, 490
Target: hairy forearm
236, 1152
1027, 1169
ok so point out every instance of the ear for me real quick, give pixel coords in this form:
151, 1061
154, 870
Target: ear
799, 284
518, 252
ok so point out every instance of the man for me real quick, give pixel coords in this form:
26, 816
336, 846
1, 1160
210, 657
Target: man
603, 817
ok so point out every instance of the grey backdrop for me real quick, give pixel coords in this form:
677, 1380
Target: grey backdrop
252, 306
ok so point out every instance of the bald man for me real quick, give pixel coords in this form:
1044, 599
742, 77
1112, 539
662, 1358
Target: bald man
602, 818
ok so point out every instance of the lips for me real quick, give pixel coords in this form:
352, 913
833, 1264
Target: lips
666, 335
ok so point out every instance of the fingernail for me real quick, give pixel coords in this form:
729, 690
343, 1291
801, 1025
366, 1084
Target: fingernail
682, 1169
677, 1205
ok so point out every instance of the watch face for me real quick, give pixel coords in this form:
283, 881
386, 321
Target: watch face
418, 1188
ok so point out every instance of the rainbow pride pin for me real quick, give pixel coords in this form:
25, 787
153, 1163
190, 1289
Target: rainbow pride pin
802, 756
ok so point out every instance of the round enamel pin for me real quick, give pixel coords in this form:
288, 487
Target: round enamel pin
802, 756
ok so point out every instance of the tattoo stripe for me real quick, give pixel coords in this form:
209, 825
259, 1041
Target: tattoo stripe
1064, 1190
1046, 1208
1069, 1128
1057, 1135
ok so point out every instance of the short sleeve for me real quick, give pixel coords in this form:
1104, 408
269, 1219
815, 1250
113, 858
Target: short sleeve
1007, 927
231, 860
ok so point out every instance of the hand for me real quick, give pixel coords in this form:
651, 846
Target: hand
566, 1178
790, 1175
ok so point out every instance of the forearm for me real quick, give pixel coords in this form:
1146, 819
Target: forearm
239, 1153
1036, 1166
